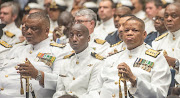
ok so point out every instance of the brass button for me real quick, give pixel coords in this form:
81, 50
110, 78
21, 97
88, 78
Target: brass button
6, 76
30, 52
70, 92
74, 78
116, 82
130, 56
124, 48
172, 49
113, 95
16, 67
2, 89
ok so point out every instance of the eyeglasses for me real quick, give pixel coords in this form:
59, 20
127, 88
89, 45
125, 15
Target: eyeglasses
158, 18
81, 21
53, 9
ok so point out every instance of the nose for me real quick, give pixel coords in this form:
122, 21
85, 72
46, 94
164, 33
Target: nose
74, 38
130, 33
169, 18
120, 30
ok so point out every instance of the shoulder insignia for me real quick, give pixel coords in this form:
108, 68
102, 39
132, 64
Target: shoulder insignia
115, 51
6, 45
9, 34
99, 41
116, 44
57, 45
162, 36
97, 56
111, 33
152, 53
68, 56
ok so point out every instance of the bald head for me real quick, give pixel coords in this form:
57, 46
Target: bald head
81, 28
124, 10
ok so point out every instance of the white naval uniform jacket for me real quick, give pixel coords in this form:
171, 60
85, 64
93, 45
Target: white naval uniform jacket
105, 28
10, 79
153, 84
78, 79
172, 47
13, 29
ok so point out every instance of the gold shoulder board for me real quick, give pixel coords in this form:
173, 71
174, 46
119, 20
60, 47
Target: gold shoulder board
97, 56
68, 56
6, 45
152, 53
99, 41
162, 36
116, 44
9, 34
57, 45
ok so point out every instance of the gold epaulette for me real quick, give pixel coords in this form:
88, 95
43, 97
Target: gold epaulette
162, 36
9, 34
152, 53
116, 44
68, 56
6, 45
97, 56
57, 45
115, 51
99, 41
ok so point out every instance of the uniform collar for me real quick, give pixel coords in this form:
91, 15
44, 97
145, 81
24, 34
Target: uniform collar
83, 54
176, 33
137, 49
9, 26
42, 44
108, 22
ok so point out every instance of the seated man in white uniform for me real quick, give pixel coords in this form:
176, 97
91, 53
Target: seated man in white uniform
8, 13
79, 70
169, 42
41, 58
145, 70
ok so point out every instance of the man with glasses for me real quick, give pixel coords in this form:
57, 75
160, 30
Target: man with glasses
159, 26
88, 18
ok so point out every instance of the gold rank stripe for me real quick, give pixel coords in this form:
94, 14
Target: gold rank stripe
68, 56
6, 45
57, 45
116, 44
9, 34
162, 36
152, 53
99, 41
97, 56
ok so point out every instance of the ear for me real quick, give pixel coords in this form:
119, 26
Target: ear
89, 38
47, 31
92, 23
14, 17
144, 34
113, 11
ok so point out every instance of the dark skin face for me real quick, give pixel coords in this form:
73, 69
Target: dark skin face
172, 18
159, 21
133, 34
35, 31
78, 38
117, 15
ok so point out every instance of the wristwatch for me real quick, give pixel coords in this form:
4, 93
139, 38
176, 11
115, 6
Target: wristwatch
176, 64
39, 76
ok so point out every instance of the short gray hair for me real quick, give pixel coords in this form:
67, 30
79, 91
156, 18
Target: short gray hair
88, 13
13, 5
